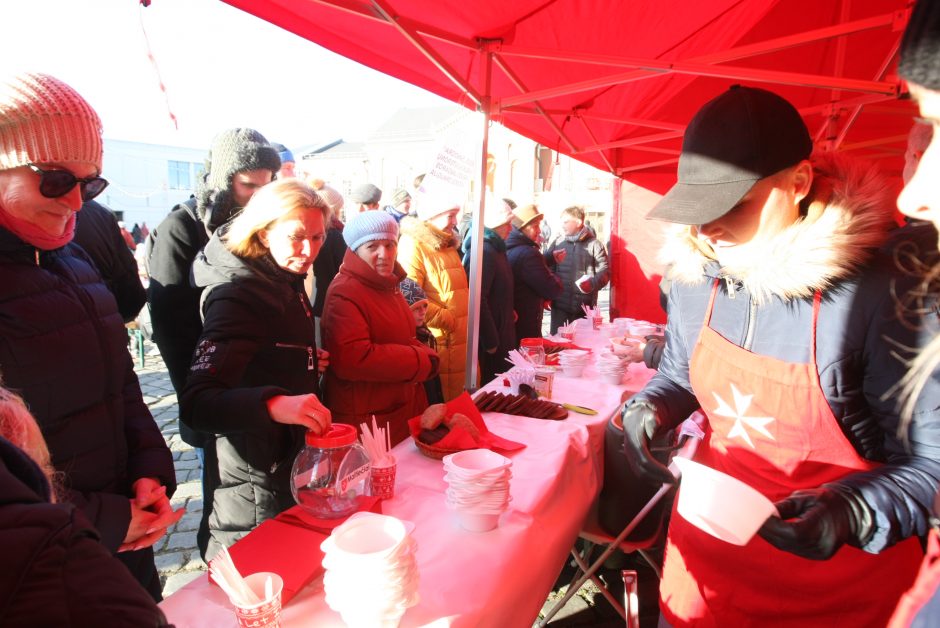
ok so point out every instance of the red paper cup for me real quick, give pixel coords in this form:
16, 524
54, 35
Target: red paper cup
267, 613
383, 478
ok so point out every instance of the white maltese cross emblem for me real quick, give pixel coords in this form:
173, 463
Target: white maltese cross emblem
742, 422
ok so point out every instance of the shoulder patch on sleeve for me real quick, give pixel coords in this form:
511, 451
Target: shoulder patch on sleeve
208, 357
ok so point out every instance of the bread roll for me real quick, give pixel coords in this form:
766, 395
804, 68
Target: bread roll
433, 416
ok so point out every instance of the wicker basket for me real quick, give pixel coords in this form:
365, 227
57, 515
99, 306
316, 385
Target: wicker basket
431, 451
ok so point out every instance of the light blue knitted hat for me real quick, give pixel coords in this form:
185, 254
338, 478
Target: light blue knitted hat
368, 226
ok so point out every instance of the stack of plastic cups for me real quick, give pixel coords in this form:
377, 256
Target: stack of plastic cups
371, 574
611, 366
478, 487
573, 361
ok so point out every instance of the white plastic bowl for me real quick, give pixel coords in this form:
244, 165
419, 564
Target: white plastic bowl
477, 523
719, 504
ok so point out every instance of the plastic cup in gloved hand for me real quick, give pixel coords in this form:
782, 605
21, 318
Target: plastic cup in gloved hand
719, 504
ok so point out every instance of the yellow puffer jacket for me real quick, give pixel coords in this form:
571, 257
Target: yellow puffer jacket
430, 258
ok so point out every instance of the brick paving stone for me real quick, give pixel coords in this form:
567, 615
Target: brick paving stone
189, 522
169, 561
181, 540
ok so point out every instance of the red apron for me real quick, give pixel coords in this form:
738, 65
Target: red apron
771, 427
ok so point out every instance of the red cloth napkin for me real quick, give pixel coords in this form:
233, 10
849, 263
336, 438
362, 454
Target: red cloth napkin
299, 516
289, 545
458, 437
291, 551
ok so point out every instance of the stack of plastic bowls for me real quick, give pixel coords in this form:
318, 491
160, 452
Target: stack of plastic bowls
611, 366
573, 361
371, 575
607, 330
478, 487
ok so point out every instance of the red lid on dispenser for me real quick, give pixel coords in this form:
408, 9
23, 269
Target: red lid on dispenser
338, 435
531, 342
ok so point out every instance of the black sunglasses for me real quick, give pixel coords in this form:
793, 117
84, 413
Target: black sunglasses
56, 183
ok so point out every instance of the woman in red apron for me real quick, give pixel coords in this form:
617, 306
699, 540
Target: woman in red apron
783, 329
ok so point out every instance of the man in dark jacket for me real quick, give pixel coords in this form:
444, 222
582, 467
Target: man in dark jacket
533, 282
96, 231
784, 329
239, 163
581, 263
497, 324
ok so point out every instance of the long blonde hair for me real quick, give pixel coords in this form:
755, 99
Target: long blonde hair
19, 427
268, 205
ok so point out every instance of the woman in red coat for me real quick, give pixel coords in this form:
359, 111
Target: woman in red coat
377, 365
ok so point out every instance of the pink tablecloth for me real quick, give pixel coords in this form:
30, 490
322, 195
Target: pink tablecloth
499, 578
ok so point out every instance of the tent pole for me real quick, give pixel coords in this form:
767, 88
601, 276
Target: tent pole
476, 234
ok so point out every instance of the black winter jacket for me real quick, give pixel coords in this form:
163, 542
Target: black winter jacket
584, 255
63, 348
173, 300
55, 571
533, 284
765, 304
497, 328
326, 265
97, 231
258, 342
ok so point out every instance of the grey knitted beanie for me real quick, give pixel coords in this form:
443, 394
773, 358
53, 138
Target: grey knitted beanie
238, 150
920, 47
368, 226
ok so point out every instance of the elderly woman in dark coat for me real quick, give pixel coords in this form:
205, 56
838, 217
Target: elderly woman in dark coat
377, 363
253, 380
63, 345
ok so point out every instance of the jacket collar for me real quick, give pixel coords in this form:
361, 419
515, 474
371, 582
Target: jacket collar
832, 243
426, 234
358, 268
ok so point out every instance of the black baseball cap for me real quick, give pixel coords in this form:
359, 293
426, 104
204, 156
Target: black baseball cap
735, 140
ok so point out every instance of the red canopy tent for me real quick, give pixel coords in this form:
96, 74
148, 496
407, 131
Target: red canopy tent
613, 82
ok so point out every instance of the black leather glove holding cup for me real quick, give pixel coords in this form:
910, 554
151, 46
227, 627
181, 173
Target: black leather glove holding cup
641, 424
815, 523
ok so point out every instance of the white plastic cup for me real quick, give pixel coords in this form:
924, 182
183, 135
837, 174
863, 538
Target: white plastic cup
267, 612
473, 522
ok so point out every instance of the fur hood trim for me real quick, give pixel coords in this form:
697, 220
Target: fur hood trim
829, 245
426, 234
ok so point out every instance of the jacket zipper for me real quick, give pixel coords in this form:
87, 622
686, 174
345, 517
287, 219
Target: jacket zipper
749, 329
308, 349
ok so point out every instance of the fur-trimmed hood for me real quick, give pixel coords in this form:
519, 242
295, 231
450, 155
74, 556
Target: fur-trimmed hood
426, 234
835, 239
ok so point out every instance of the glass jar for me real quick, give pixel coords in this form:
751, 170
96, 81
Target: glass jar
331, 473
533, 350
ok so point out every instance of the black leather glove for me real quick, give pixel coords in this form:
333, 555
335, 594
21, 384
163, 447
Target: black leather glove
815, 523
640, 425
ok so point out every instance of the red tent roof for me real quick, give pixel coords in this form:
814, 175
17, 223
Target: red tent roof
613, 83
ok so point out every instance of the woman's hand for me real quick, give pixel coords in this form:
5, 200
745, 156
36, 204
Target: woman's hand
151, 515
323, 360
303, 410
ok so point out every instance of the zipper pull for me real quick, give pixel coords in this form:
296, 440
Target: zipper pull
37, 257
310, 364
729, 282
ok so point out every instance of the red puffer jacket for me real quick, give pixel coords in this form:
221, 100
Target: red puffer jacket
377, 365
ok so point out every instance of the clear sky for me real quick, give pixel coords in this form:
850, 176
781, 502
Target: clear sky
222, 68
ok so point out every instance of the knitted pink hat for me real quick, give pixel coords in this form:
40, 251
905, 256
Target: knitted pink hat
43, 120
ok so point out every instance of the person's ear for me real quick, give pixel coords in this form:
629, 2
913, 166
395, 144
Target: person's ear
263, 238
801, 180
